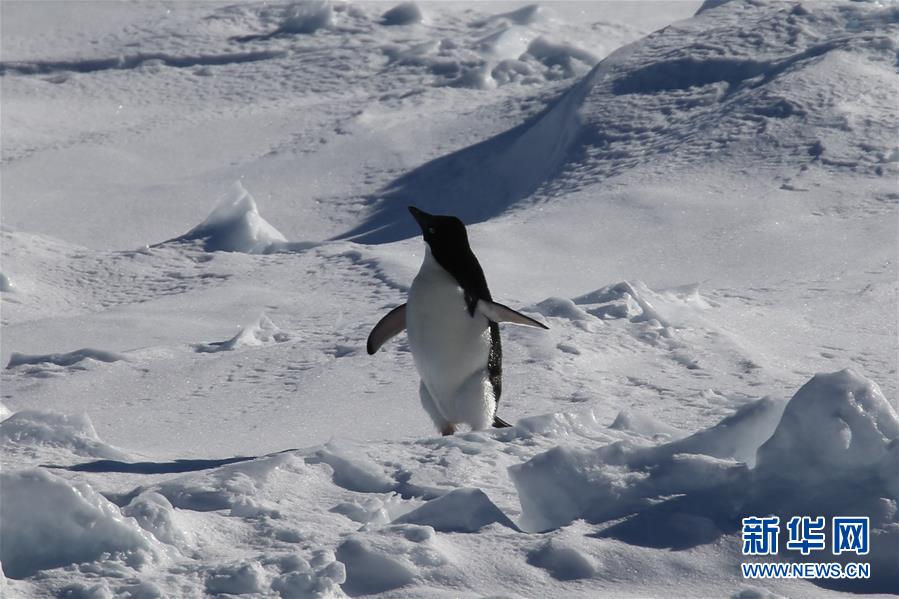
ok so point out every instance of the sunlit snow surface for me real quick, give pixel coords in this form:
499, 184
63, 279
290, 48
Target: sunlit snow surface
204, 213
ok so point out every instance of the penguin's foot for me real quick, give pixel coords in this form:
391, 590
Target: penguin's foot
500, 423
447, 430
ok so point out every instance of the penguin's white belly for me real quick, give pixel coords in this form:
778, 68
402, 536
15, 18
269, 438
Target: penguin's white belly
449, 346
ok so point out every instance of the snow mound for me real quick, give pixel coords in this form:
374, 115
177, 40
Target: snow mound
235, 226
510, 48
74, 433
307, 17
659, 313
751, 592
374, 510
735, 437
835, 452
711, 88
260, 332
526, 15
562, 307
49, 523
352, 471
835, 424
320, 576
155, 514
563, 424
290, 577
507, 43
371, 570
562, 561
710, 4
563, 60
395, 556
622, 300
237, 579
235, 487
64, 359
461, 510
643, 424
495, 173
836, 436
406, 13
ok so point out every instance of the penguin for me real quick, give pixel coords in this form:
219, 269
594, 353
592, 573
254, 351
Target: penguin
452, 324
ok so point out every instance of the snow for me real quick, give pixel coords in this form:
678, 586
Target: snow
235, 226
74, 433
837, 431
562, 562
48, 523
66, 359
307, 17
839, 421
701, 207
460, 510
259, 332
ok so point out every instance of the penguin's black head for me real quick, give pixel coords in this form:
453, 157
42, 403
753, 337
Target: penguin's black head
446, 237
444, 234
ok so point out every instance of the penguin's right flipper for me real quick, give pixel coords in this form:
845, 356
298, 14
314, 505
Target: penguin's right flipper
500, 423
500, 313
392, 324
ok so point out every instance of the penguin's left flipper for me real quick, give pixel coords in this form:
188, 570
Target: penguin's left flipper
389, 326
500, 313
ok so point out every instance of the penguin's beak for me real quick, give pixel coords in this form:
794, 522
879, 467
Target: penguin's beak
421, 217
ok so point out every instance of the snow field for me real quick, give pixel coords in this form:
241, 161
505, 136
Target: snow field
399, 545
705, 220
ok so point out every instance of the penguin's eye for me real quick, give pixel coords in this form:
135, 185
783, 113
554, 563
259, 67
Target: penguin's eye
431, 230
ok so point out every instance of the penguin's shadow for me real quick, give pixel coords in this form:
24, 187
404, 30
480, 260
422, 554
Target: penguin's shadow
173, 467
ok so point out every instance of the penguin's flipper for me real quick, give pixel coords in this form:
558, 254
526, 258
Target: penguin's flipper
500, 313
392, 324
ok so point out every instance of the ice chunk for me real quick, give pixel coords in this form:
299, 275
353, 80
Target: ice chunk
49, 429
738, 436
228, 487
49, 523
623, 300
261, 331
460, 510
369, 571
562, 561
838, 421
562, 424
526, 15
155, 514
561, 307
235, 226
644, 424
507, 43
405, 13
563, 484
352, 471
237, 579
562, 55
307, 17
